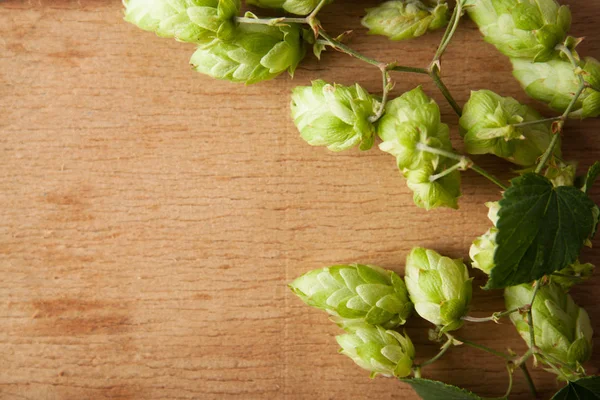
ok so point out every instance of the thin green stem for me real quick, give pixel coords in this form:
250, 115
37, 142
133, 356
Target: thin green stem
538, 283
561, 122
387, 86
484, 348
439, 355
553, 367
400, 68
345, 49
313, 15
457, 166
454, 21
539, 121
435, 75
495, 316
467, 161
510, 380
523, 359
529, 380
270, 21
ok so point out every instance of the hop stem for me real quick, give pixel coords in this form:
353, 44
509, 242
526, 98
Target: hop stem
529, 380
439, 355
496, 316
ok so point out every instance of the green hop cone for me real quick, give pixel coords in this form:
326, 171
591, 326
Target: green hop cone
482, 251
439, 287
562, 174
522, 28
335, 116
255, 53
356, 293
410, 121
405, 19
378, 350
562, 329
298, 7
196, 21
555, 82
575, 273
488, 127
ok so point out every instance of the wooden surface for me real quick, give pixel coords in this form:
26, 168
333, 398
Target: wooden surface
151, 217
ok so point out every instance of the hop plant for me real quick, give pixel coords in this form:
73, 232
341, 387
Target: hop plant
482, 251
356, 293
378, 350
335, 116
405, 19
528, 29
298, 7
439, 287
562, 329
196, 21
555, 82
255, 53
488, 126
410, 121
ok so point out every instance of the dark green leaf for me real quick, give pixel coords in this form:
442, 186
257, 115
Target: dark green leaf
541, 229
435, 390
591, 177
587, 388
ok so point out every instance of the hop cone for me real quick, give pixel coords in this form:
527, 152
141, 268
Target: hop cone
382, 352
487, 126
356, 293
562, 174
482, 251
196, 21
410, 121
298, 7
562, 329
255, 53
439, 287
555, 82
335, 116
522, 28
405, 19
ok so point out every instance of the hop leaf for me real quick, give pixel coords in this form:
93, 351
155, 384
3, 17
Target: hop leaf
382, 352
255, 53
528, 29
439, 287
555, 82
487, 126
410, 121
356, 293
335, 116
405, 19
196, 21
298, 7
562, 329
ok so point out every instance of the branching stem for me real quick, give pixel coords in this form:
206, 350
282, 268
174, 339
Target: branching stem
484, 348
439, 355
496, 316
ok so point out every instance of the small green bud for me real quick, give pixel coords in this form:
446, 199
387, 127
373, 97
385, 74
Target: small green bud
356, 293
196, 21
298, 7
488, 126
410, 121
439, 287
555, 82
335, 116
405, 19
482, 251
522, 28
575, 273
562, 174
494, 208
255, 53
562, 329
382, 352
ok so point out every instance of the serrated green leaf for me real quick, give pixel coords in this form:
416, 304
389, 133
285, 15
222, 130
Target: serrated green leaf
587, 388
541, 229
436, 390
591, 177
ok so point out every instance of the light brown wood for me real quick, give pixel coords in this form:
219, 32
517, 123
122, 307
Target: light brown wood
151, 216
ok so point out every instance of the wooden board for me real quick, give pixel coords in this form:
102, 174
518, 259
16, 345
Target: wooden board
151, 216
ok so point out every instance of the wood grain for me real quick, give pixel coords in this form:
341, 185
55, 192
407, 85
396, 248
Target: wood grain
151, 216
